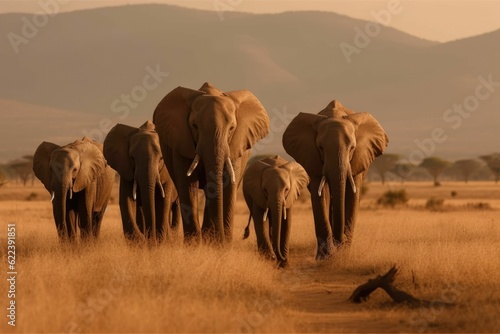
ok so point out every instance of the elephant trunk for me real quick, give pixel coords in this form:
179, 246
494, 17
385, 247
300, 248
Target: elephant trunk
214, 168
147, 182
277, 210
337, 179
59, 207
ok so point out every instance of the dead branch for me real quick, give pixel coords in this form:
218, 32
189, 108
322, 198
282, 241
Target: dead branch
362, 292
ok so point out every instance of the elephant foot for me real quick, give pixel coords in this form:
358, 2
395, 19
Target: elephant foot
325, 251
283, 264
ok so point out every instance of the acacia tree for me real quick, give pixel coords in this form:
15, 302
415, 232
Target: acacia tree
435, 166
493, 162
466, 167
23, 168
384, 164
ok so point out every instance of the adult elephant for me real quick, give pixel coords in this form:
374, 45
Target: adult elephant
206, 136
336, 147
272, 185
148, 199
80, 181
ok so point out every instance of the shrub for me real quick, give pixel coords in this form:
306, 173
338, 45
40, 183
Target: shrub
454, 194
434, 204
364, 189
31, 196
392, 198
478, 206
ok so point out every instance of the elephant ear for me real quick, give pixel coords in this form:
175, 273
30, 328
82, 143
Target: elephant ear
252, 122
92, 164
41, 163
299, 181
252, 182
171, 120
299, 140
116, 150
371, 141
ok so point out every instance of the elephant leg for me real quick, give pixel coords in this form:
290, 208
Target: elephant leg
85, 213
96, 221
128, 210
351, 206
321, 212
228, 213
162, 208
262, 232
285, 237
176, 217
71, 223
141, 221
187, 188
230, 192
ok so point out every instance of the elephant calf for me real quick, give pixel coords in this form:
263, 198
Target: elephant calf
80, 182
273, 184
148, 198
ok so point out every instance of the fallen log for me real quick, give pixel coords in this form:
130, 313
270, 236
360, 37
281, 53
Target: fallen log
362, 292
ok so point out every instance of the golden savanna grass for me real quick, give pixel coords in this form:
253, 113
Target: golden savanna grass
109, 286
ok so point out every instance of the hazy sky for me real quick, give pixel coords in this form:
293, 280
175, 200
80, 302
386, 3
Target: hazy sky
439, 20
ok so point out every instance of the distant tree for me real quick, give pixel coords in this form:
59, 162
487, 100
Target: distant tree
493, 162
466, 167
403, 170
384, 164
3, 180
435, 166
23, 169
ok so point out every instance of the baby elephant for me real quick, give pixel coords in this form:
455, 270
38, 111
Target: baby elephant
273, 184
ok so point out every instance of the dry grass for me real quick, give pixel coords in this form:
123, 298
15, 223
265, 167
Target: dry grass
110, 286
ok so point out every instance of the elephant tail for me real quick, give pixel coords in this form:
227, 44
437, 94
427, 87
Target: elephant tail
247, 229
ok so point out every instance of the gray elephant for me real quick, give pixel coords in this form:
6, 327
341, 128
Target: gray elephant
272, 185
206, 136
335, 147
148, 199
80, 182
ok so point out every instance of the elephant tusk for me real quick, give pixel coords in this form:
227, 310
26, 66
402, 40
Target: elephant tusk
53, 195
191, 169
284, 212
264, 217
321, 186
70, 193
161, 187
231, 170
351, 179
134, 190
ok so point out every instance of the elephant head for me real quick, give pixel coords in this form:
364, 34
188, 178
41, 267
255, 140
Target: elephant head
274, 184
67, 170
135, 154
335, 146
213, 128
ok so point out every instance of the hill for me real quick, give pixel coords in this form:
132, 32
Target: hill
86, 62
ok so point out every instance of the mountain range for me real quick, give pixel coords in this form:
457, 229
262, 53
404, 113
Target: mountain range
83, 71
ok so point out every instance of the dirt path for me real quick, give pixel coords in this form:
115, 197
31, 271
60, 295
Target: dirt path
319, 303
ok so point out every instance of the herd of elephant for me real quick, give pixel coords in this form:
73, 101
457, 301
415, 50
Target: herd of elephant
202, 139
